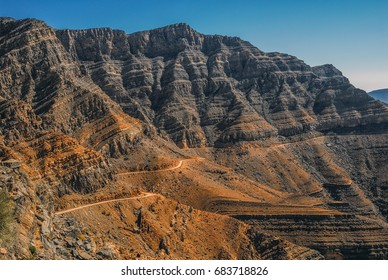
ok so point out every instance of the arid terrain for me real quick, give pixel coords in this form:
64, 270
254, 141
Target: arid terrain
172, 144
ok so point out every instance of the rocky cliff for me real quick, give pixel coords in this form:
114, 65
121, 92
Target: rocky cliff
202, 90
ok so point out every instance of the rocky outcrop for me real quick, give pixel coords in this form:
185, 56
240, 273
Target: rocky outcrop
365, 239
23, 213
52, 114
276, 248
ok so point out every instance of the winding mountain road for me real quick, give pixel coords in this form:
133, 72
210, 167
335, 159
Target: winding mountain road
143, 195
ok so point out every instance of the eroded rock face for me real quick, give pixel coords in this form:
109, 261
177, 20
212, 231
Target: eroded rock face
52, 114
204, 90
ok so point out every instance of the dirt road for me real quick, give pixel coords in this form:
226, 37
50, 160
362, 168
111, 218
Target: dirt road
143, 195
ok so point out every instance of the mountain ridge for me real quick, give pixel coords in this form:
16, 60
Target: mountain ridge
185, 44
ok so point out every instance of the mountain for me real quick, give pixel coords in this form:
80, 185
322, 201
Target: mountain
380, 94
205, 90
171, 144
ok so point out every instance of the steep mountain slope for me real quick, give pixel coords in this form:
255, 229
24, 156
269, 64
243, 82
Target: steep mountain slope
96, 117
203, 90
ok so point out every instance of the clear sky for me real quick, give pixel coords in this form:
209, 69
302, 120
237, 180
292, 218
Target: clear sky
350, 34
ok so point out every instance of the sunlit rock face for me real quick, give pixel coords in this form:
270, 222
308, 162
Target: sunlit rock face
208, 89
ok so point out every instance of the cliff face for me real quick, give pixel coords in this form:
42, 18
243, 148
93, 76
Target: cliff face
95, 115
202, 90
52, 114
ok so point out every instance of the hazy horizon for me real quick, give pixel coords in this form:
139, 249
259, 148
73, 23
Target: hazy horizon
351, 35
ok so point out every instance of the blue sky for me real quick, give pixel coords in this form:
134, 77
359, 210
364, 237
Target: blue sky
351, 34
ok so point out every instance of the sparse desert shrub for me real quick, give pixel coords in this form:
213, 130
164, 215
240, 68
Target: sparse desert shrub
6, 217
32, 250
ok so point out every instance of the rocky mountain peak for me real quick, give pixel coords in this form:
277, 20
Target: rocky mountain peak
177, 28
326, 70
6, 19
27, 22
10, 25
172, 39
165, 41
